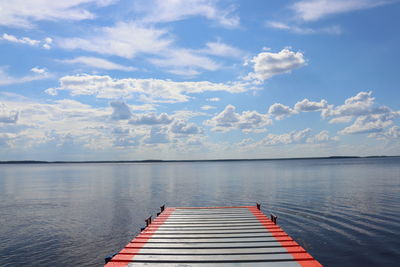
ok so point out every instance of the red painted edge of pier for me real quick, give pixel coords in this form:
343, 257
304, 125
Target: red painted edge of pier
304, 259
121, 259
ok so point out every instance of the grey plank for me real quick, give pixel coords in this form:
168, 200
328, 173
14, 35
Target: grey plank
209, 216
235, 264
206, 245
213, 227
214, 258
212, 215
223, 220
210, 223
244, 211
209, 208
210, 240
215, 232
215, 251
216, 227
212, 235
212, 212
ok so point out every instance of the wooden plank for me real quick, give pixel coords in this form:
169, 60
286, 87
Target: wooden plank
216, 258
213, 223
211, 212
242, 264
212, 235
216, 251
224, 220
209, 245
209, 240
220, 226
211, 228
208, 231
213, 232
218, 215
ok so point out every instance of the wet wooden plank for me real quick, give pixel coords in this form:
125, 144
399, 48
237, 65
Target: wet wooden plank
214, 251
210, 240
241, 220
237, 223
209, 231
210, 228
243, 264
216, 258
212, 235
207, 245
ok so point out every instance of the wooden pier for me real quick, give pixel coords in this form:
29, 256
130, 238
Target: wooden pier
212, 236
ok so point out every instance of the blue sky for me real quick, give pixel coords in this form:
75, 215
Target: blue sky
175, 79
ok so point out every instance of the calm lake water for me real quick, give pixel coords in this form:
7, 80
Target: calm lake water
345, 212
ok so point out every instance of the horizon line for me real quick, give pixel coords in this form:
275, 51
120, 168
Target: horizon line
184, 160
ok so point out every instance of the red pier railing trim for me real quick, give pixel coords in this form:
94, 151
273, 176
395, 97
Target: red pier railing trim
304, 259
127, 255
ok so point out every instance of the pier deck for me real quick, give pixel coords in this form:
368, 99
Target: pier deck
213, 236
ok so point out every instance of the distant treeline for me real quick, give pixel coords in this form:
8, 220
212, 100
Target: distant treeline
199, 160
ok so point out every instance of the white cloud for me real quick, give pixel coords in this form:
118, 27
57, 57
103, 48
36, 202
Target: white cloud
306, 105
147, 90
7, 115
280, 111
207, 107
294, 137
311, 10
184, 62
391, 134
248, 121
98, 63
123, 137
213, 99
6, 79
363, 104
133, 38
23, 14
55, 123
47, 43
39, 70
23, 40
28, 41
159, 11
158, 135
343, 119
187, 114
121, 111
185, 128
125, 39
151, 119
144, 107
221, 49
322, 137
367, 124
334, 29
369, 118
268, 64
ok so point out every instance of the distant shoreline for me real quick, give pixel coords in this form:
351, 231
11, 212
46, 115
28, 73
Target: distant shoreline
197, 160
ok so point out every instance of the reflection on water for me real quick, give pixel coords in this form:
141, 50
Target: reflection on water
344, 211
